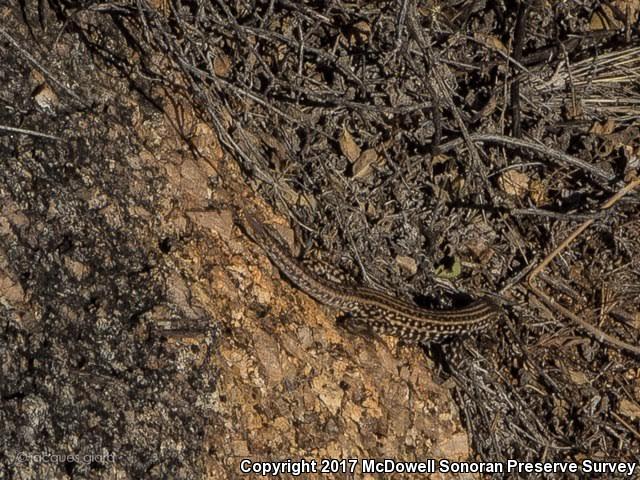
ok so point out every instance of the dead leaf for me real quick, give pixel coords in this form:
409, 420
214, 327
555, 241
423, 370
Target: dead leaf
598, 21
308, 201
578, 377
603, 128
630, 8
630, 409
515, 183
491, 41
604, 19
221, 65
361, 31
363, 166
348, 146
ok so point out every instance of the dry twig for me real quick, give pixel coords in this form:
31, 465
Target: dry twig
597, 333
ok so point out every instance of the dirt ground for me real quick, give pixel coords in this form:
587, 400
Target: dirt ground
438, 151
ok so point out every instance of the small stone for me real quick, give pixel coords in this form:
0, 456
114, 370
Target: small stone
407, 264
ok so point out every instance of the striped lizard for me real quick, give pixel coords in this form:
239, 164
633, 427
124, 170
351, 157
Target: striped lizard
370, 308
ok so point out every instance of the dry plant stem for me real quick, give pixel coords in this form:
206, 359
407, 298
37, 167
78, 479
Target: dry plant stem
520, 28
567, 217
33, 133
626, 424
536, 147
550, 302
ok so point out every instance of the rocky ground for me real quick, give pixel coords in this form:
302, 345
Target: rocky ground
143, 335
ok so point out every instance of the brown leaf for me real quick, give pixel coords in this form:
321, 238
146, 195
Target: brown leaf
578, 377
630, 409
603, 128
491, 41
362, 167
513, 182
360, 32
605, 19
348, 146
221, 65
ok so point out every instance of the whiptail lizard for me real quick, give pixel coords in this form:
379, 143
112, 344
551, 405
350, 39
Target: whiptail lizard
372, 308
